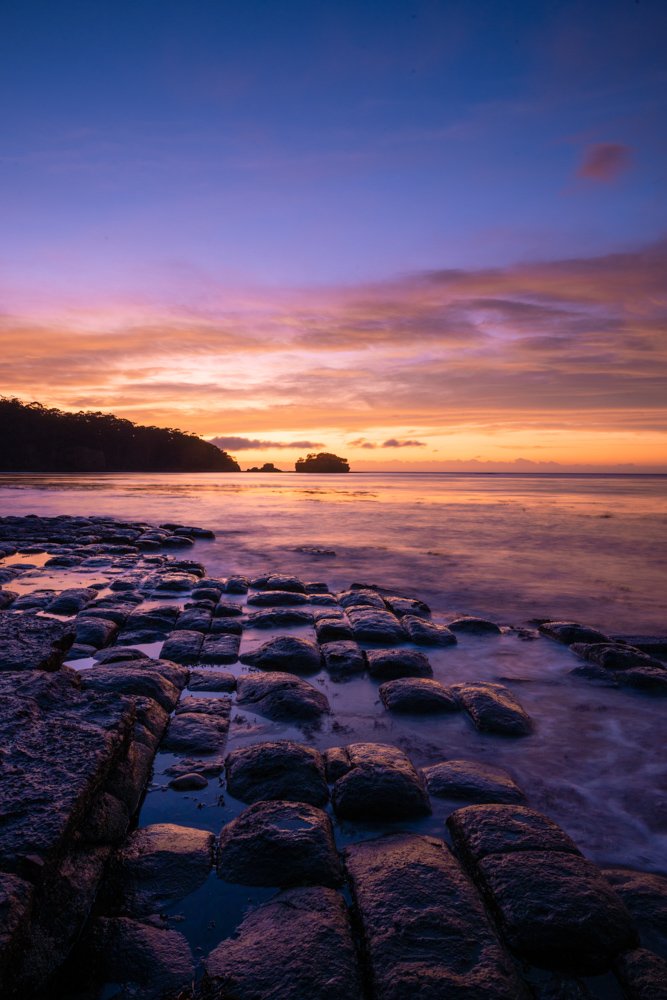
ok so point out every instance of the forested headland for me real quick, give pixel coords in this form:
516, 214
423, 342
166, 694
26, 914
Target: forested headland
36, 438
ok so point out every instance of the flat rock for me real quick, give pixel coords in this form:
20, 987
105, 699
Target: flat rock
468, 779
227, 609
375, 625
474, 626
401, 606
424, 928
71, 601
131, 679
361, 598
333, 629
226, 626
389, 664
380, 784
645, 895
493, 709
151, 963
197, 731
194, 619
278, 770
120, 654
612, 656
211, 680
279, 581
481, 830
569, 632
427, 633
420, 695
343, 658
298, 946
287, 653
281, 696
642, 974
279, 843
274, 598
556, 910
220, 649
279, 618
28, 642
183, 646
157, 865
95, 632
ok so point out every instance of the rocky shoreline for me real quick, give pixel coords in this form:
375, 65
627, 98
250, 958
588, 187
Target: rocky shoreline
139, 655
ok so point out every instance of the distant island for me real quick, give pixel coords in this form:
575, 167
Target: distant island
267, 467
36, 438
324, 461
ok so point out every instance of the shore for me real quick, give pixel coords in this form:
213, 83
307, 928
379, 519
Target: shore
232, 786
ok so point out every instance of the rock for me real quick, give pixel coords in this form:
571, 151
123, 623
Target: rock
109, 613
131, 679
374, 625
389, 664
154, 963
482, 830
642, 975
236, 585
401, 606
107, 821
362, 598
183, 647
191, 782
298, 946
282, 697
120, 654
211, 767
324, 600
343, 658
279, 843
645, 895
468, 779
80, 652
278, 581
211, 680
274, 598
333, 629
474, 626
425, 633
220, 649
226, 609
28, 642
198, 731
7, 597
380, 784
554, 908
36, 600
70, 602
417, 694
226, 626
569, 632
15, 910
654, 645
286, 653
279, 618
194, 620
424, 928
279, 770
494, 709
614, 657
336, 763
157, 865
95, 632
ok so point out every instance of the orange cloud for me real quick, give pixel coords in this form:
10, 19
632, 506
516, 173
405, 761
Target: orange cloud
604, 161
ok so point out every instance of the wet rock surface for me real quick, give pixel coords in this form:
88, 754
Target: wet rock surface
380, 782
287, 653
279, 843
424, 927
493, 709
298, 945
278, 770
418, 695
468, 779
77, 751
28, 642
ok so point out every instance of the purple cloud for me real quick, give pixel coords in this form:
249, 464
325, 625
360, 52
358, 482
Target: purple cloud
604, 161
254, 444
395, 443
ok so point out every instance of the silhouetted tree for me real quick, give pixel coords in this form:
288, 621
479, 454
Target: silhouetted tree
323, 461
36, 438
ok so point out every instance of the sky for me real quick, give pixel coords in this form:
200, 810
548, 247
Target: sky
423, 235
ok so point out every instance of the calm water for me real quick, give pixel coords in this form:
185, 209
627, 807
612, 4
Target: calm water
509, 546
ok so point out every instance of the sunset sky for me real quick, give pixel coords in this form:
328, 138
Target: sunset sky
423, 235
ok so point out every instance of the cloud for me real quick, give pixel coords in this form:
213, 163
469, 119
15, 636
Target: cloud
604, 161
362, 443
254, 444
394, 443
